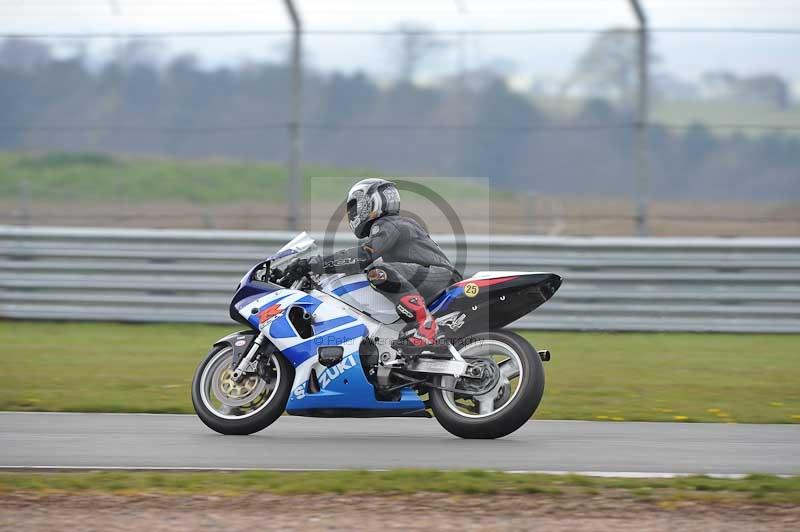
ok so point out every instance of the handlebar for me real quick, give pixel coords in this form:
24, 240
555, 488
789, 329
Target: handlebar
291, 280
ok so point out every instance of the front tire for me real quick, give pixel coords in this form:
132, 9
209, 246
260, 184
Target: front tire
240, 408
511, 401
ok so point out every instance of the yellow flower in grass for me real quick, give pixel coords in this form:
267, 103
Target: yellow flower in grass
796, 417
680, 418
776, 403
712, 410
617, 418
601, 417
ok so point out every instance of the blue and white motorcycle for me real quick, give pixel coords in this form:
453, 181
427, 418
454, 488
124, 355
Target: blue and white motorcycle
322, 346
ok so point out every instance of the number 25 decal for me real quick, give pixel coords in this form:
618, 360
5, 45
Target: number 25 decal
471, 290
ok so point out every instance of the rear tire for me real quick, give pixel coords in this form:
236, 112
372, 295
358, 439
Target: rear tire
238, 420
508, 416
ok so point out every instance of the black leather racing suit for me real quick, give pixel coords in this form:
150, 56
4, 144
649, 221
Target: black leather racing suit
411, 261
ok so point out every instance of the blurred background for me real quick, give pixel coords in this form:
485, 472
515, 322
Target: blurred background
552, 129
647, 151
602, 117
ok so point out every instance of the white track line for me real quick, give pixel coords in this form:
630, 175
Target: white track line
602, 474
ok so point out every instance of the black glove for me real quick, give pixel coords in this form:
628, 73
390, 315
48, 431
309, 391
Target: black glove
315, 264
300, 267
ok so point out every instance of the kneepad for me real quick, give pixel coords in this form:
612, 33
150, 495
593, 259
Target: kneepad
377, 276
385, 278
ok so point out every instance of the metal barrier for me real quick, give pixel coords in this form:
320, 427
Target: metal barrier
624, 284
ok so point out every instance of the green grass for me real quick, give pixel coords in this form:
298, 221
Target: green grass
62, 176
685, 113
100, 367
758, 488
710, 113
108, 367
747, 378
93, 177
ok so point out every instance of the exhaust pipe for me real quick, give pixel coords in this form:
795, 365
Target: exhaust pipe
544, 354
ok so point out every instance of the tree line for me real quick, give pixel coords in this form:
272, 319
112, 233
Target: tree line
481, 128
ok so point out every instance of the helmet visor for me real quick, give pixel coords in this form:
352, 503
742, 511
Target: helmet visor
352, 209
352, 214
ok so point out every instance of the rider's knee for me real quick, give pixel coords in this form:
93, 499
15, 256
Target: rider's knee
378, 276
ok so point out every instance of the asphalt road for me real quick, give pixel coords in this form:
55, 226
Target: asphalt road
179, 441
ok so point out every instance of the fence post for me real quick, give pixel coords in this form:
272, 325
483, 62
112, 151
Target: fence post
295, 178
642, 184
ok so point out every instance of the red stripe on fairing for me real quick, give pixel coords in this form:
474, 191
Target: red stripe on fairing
486, 282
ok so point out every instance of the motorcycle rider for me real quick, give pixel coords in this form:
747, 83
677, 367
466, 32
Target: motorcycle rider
398, 255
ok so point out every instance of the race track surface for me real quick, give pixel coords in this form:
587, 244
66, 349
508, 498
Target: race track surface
182, 441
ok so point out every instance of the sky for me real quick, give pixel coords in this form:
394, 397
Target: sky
531, 56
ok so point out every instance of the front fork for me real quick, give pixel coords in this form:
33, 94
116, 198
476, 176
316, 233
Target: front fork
246, 360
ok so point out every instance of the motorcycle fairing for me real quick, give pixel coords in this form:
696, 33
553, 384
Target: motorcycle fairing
343, 386
333, 323
442, 302
253, 284
491, 300
355, 290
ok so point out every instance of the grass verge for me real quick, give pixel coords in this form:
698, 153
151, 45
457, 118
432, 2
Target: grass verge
96, 177
763, 488
108, 367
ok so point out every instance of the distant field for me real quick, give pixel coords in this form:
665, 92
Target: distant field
94, 190
104, 367
98, 190
82, 177
708, 113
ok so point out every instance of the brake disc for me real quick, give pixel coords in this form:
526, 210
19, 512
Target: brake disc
232, 393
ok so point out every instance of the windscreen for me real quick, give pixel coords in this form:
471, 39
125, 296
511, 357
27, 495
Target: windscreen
300, 246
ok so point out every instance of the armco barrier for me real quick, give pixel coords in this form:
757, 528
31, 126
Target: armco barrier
658, 284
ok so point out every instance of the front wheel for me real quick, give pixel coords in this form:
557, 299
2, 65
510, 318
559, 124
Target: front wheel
243, 407
510, 390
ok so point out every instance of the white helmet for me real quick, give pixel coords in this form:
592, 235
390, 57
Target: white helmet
368, 200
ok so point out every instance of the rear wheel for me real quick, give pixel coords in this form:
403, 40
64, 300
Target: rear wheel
243, 407
511, 388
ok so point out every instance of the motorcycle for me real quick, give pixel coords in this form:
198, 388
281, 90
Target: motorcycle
325, 346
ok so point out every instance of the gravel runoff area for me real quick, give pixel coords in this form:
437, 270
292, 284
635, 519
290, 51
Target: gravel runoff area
607, 510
